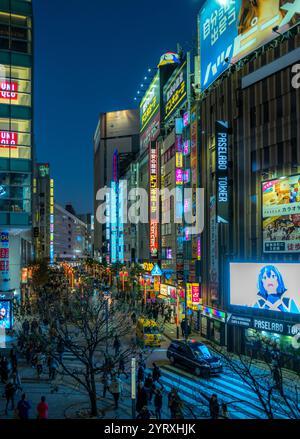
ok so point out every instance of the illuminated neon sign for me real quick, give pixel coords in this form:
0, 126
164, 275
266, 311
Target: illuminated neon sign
51, 222
8, 90
154, 205
8, 139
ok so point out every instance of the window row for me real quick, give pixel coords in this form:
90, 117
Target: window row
15, 45
15, 72
15, 20
19, 206
14, 192
15, 179
15, 125
17, 152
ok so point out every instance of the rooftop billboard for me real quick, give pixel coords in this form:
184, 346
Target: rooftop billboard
231, 29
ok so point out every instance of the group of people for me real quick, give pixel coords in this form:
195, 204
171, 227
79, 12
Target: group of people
10, 378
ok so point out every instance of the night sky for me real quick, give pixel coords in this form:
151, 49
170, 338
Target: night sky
91, 56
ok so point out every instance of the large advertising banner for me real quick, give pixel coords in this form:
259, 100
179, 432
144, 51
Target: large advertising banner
281, 215
214, 251
149, 106
265, 286
175, 91
232, 29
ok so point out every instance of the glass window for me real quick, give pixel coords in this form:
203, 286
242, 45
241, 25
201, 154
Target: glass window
15, 125
15, 72
4, 43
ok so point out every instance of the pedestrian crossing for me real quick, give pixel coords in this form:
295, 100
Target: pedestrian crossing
242, 402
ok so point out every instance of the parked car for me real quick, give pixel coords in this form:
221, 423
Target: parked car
195, 356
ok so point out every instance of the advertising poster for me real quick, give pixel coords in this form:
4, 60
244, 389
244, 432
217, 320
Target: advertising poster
266, 286
175, 91
150, 103
236, 28
154, 202
5, 314
214, 253
281, 215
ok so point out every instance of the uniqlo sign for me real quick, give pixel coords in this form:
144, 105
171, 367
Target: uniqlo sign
8, 90
8, 138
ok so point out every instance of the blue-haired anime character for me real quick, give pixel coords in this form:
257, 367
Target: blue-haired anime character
271, 292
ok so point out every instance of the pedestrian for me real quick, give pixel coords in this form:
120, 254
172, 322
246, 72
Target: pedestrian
144, 413
141, 397
214, 407
115, 389
42, 409
60, 350
13, 358
26, 327
105, 382
184, 327
224, 411
23, 408
122, 367
4, 370
158, 402
53, 368
133, 318
141, 373
156, 374
148, 386
39, 363
116, 345
16, 379
10, 391
175, 404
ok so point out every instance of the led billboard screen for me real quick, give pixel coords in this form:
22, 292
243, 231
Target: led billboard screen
5, 314
265, 286
281, 215
231, 29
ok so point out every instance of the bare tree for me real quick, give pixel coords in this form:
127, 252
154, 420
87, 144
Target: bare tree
85, 326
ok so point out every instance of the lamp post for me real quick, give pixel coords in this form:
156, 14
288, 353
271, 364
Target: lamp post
133, 385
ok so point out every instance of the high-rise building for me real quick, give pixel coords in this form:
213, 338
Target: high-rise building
43, 218
116, 131
16, 134
70, 235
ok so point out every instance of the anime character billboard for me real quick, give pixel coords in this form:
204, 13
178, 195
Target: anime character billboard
5, 314
270, 287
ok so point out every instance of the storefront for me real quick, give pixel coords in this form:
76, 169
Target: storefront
257, 337
168, 295
213, 324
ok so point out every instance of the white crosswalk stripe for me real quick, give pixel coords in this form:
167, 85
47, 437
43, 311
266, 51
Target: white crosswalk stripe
242, 401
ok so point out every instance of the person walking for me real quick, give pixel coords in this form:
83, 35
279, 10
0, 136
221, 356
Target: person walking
175, 404
54, 365
144, 413
122, 367
13, 358
4, 370
116, 345
23, 408
141, 373
42, 409
16, 379
214, 407
115, 389
141, 397
10, 391
39, 363
224, 411
156, 374
26, 327
158, 403
60, 350
148, 386
133, 318
106, 383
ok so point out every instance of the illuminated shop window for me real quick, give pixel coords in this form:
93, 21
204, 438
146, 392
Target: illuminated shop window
15, 72
19, 152
15, 125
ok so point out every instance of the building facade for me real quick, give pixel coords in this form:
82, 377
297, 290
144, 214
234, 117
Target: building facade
70, 236
116, 131
16, 133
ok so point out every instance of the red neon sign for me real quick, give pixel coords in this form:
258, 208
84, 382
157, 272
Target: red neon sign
8, 90
8, 139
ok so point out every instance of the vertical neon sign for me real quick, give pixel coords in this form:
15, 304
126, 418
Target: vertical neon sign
51, 222
154, 205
